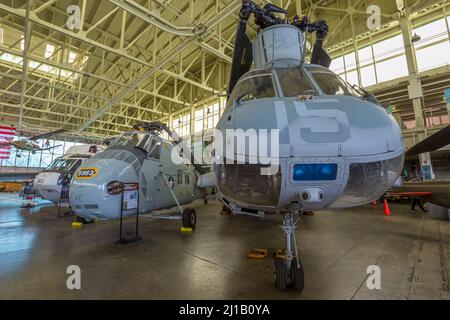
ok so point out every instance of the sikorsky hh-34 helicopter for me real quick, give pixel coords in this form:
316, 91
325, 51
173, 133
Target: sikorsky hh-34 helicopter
139, 156
337, 148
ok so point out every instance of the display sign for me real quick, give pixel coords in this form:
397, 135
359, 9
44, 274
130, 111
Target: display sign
130, 196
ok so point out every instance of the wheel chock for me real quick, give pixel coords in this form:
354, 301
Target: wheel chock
77, 225
187, 230
279, 254
257, 254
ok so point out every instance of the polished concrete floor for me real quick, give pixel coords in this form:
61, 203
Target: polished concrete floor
36, 247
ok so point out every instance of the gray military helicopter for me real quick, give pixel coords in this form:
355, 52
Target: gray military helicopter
337, 148
140, 156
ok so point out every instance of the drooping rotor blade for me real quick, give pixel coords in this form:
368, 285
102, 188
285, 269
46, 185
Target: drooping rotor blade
48, 134
319, 55
242, 56
436, 141
271, 8
50, 148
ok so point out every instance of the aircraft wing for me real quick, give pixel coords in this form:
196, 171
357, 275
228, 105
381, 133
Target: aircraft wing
48, 134
436, 141
411, 194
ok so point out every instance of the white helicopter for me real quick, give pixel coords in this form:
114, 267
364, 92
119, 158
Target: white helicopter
49, 183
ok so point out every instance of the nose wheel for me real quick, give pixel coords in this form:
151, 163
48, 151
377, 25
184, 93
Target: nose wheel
288, 267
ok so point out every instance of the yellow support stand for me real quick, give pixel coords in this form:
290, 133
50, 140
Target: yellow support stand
186, 229
257, 254
77, 225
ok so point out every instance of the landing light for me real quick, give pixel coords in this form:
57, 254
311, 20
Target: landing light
315, 172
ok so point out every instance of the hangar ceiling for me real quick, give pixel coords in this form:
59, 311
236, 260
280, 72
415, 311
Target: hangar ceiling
129, 60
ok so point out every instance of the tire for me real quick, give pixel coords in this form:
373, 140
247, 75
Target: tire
281, 274
189, 218
297, 277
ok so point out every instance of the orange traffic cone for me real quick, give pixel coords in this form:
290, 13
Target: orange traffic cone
387, 211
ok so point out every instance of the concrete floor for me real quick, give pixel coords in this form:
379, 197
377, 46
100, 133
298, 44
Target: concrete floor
36, 247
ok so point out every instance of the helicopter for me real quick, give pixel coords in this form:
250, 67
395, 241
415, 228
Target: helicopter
49, 183
334, 147
141, 156
29, 144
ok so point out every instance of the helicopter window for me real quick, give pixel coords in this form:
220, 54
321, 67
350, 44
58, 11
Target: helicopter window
179, 179
129, 139
155, 150
143, 143
186, 179
74, 166
61, 164
258, 87
331, 83
293, 82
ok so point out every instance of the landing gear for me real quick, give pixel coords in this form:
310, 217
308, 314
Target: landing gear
288, 268
189, 218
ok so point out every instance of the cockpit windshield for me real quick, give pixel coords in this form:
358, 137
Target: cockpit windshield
66, 165
131, 139
293, 82
331, 83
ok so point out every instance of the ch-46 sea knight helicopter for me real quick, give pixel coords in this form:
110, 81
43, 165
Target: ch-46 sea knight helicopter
337, 148
140, 156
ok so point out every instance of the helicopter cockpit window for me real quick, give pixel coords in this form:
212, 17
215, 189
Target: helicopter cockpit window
293, 82
61, 164
130, 139
144, 143
155, 151
331, 83
257, 87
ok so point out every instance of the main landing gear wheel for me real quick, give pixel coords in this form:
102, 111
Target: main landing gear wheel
288, 267
281, 274
297, 277
189, 218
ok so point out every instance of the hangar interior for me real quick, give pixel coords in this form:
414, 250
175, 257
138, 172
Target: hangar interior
95, 68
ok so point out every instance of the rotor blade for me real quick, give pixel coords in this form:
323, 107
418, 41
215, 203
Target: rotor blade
320, 56
436, 141
50, 148
271, 8
242, 56
48, 134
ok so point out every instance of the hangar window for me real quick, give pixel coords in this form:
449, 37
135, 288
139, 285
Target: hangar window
72, 57
293, 82
258, 87
49, 51
331, 83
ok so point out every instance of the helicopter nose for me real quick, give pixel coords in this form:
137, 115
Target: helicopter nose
89, 195
333, 152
